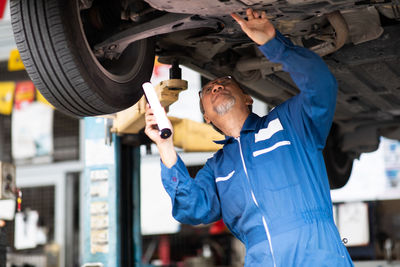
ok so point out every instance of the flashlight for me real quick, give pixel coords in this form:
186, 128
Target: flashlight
159, 113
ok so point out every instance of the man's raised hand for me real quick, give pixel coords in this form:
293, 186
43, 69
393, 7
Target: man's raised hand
257, 27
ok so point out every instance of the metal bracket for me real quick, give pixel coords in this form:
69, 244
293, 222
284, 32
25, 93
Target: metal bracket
131, 120
108, 135
116, 44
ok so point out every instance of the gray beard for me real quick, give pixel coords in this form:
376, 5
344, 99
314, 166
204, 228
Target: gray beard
226, 106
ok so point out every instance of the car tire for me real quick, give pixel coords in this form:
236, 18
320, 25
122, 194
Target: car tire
338, 163
58, 58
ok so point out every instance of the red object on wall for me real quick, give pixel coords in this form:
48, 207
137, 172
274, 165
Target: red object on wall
2, 8
164, 250
24, 94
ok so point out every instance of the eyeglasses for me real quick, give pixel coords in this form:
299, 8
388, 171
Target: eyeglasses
209, 86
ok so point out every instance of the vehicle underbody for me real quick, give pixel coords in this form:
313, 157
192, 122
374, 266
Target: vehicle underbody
357, 39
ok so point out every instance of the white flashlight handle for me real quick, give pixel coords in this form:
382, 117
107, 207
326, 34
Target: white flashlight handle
159, 113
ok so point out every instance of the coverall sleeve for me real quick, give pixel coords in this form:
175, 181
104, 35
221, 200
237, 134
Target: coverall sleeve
194, 201
311, 111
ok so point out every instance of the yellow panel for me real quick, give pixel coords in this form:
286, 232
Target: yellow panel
194, 136
40, 98
15, 62
6, 97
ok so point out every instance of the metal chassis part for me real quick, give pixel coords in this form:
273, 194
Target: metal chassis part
116, 44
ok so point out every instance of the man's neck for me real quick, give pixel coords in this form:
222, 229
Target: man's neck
231, 123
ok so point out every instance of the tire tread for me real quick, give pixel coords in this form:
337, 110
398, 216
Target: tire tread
42, 41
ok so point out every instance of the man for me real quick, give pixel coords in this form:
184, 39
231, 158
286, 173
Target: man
268, 182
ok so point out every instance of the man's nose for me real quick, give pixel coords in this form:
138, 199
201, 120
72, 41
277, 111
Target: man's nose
217, 88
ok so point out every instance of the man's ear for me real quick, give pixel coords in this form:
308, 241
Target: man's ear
206, 118
248, 100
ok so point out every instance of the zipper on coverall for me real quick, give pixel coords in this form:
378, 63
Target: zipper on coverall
255, 202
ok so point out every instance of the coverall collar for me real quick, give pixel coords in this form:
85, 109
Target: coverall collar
249, 125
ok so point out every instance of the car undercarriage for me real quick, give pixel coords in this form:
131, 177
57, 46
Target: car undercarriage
105, 51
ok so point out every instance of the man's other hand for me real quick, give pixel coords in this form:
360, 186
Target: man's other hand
257, 27
151, 129
165, 146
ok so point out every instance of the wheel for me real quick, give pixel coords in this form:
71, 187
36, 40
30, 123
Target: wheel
338, 163
54, 38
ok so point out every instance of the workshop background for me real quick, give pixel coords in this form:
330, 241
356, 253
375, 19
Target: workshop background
47, 223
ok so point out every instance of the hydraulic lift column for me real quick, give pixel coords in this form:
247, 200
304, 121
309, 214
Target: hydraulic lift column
111, 185
100, 217
111, 205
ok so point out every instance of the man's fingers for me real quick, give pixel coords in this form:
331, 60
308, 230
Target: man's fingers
256, 15
241, 21
151, 122
149, 111
151, 119
151, 129
249, 13
238, 19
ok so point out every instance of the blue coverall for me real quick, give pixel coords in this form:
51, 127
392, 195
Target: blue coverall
270, 185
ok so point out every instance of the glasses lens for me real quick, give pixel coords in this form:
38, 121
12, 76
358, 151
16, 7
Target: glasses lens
207, 87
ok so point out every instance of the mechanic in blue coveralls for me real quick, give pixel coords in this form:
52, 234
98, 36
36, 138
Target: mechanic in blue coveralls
268, 182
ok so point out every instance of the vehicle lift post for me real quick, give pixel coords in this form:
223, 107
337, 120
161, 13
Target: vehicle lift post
110, 217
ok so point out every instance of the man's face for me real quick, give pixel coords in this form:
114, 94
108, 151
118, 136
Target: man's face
220, 96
